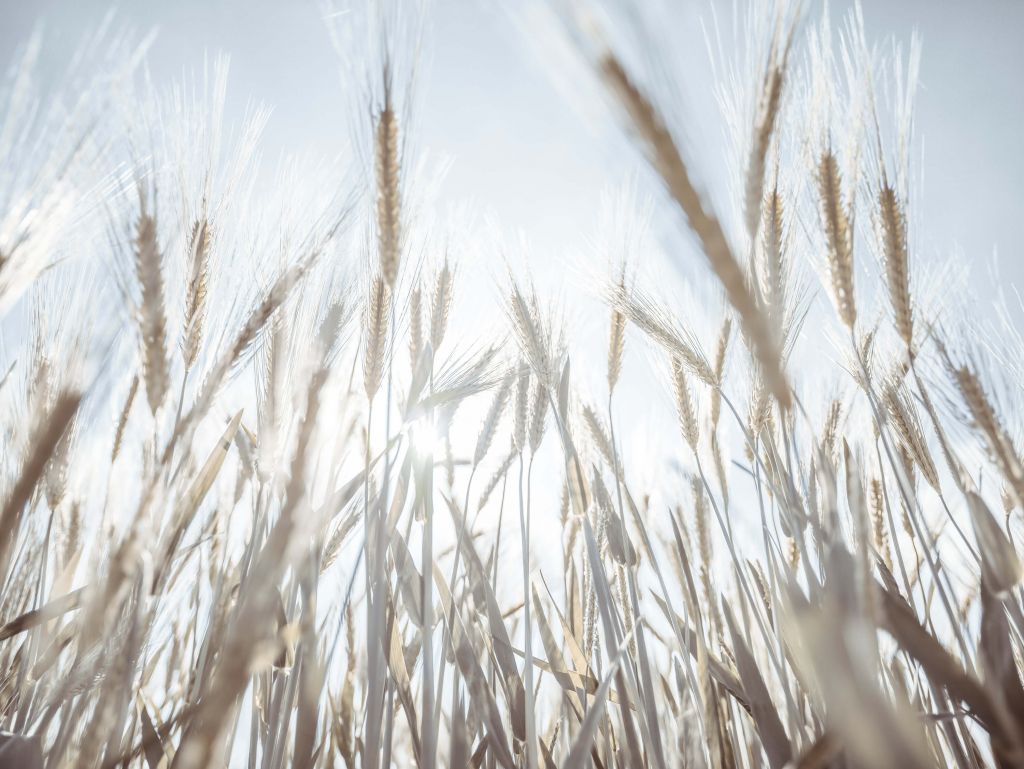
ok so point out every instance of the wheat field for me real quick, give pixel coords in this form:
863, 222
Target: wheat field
268, 498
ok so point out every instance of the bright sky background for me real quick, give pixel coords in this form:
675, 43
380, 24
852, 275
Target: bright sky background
520, 149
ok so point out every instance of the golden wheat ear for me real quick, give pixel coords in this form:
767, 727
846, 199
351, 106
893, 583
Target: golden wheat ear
835, 223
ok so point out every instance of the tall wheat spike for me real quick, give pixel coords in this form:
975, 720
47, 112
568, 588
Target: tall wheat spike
151, 311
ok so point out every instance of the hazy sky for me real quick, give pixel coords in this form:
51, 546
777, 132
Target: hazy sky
519, 148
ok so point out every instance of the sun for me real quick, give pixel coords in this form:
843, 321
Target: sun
426, 439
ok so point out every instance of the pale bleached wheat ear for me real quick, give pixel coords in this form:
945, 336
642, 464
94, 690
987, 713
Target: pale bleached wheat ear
275, 296
151, 311
49, 432
522, 408
375, 330
891, 199
200, 243
496, 477
664, 155
838, 231
903, 418
655, 320
702, 529
879, 527
534, 333
623, 221
444, 290
599, 435
775, 259
987, 422
122, 420
684, 404
415, 326
538, 412
758, 410
767, 106
720, 354
831, 427
489, 425
616, 337
719, 460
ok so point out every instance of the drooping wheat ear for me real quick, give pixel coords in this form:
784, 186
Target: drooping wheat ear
199, 246
764, 125
878, 527
908, 429
684, 404
530, 330
259, 316
263, 313
654, 321
378, 307
664, 155
720, 354
122, 421
987, 422
415, 326
892, 224
521, 416
151, 311
835, 222
616, 338
442, 305
490, 423
389, 202
47, 435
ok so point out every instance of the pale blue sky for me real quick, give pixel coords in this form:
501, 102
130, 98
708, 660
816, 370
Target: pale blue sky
520, 149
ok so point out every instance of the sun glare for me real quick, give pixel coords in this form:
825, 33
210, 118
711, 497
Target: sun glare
426, 439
